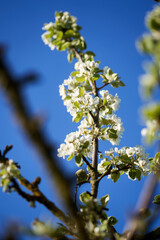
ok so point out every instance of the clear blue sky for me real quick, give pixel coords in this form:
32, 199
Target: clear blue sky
110, 29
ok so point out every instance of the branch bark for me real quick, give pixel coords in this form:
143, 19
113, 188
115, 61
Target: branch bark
39, 140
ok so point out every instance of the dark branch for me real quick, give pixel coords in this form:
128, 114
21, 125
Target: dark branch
39, 140
38, 196
86, 161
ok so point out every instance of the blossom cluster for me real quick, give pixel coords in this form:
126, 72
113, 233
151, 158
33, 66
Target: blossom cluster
76, 144
149, 44
93, 107
81, 103
134, 158
8, 170
151, 131
63, 34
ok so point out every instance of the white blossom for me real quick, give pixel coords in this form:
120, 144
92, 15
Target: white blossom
47, 26
109, 74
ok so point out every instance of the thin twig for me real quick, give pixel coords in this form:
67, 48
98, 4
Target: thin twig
37, 196
86, 161
83, 182
105, 173
114, 171
105, 84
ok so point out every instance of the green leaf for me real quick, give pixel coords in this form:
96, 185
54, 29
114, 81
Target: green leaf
124, 159
114, 84
106, 163
57, 42
157, 199
110, 72
121, 83
70, 157
106, 121
59, 35
80, 79
81, 91
67, 98
115, 176
81, 175
105, 101
157, 157
69, 33
96, 76
90, 53
86, 144
56, 14
112, 133
76, 104
112, 220
138, 174
85, 197
78, 160
132, 173
152, 112
104, 200
70, 57
64, 46
89, 118
78, 117
73, 74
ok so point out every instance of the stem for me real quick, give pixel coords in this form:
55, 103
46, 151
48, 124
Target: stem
94, 173
105, 84
87, 163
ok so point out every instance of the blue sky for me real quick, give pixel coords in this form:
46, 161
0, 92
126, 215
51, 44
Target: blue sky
111, 29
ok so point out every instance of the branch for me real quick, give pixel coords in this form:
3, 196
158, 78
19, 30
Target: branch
105, 84
80, 183
94, 173
143, 203
86, 161
39, 140
105, 173
110, 171
37, 196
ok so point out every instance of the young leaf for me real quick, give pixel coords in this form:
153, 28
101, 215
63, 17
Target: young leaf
115, 176
86, 144
84, 197
73, 74
81, 91
121, 83
59, 35
80, 79
69, 33
70, 57
78, 160
156, 199
132, 173
64, 46
78, 117
81, 175
104, 200
112, 220
70, 157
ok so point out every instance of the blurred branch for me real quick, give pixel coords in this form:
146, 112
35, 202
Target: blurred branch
137, 219
38, 139
37, 196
